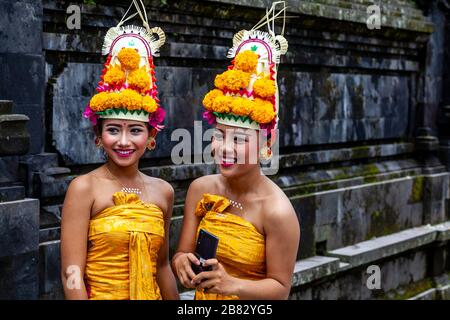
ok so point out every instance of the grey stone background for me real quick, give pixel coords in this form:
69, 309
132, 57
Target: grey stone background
364, 138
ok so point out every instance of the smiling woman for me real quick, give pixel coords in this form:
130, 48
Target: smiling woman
253, 219
115, 219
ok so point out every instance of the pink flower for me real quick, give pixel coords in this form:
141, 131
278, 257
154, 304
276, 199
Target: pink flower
90, 114
268, 128
210, 117
156, 118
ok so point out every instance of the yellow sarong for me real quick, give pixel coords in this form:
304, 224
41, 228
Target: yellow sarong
124, 241
241, 249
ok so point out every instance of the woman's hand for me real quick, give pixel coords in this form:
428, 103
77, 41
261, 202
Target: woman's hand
182, 265
217, 280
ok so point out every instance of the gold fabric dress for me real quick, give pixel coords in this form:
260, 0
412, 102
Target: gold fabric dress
124, 241
241, 249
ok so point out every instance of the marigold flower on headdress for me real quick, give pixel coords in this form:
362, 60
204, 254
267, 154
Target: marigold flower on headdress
99, 102
115, 100
222, 104
210, 97
114, 76
264, 88
232, 80
131, 100
129, 58
149, 104
127, 87
241, 106
246, 61
262, 111
139, 79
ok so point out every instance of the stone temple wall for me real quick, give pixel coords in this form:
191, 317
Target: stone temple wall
363, 152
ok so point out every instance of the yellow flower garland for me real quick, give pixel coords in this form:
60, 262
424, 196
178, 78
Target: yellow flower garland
129, 58
131, 99
262, 111
139, 79
99, 102
210, 97
246, 61
222, 104
264, 88
126, 99
232, 80
149, 104
259, 110
114, 76
241, 106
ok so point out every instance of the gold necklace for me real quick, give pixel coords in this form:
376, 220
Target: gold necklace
128, 189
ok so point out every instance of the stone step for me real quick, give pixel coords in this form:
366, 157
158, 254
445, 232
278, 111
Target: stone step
14, 137
49, 234
31, 164
6, 107
372, 250
439, 293
39, 162
19, 249
19, 226
53, 185
48, 220
363, 253
50, 271
12, 193
318, 267
313, 268
9, 171
56, 171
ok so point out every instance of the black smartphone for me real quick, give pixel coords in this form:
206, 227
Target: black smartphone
205, 249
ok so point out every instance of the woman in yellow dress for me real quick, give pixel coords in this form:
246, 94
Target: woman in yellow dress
257, 227
115, 220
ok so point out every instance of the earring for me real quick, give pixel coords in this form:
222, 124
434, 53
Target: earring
151, 145
98, 143
266, 153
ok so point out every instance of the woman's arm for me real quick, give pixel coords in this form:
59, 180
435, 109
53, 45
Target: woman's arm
182, 259
164, 275
282, 240
76, 214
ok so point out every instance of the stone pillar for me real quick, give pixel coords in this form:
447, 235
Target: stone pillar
19, 216
444, 120
22, 63
430, 98
19, 249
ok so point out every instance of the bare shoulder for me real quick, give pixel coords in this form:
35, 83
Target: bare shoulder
205, 184
159, 184
281, 209
81, 185
79, 197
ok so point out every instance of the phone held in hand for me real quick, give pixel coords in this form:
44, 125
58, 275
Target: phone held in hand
206, 248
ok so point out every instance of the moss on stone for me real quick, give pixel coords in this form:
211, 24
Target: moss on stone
360, 152
380, 229
376, 214
412, 290
417, 190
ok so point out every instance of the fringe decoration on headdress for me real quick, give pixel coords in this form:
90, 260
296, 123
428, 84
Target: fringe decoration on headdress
278, 44
154, 36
